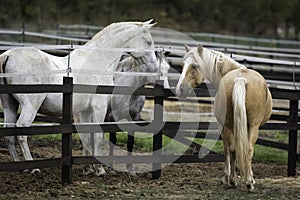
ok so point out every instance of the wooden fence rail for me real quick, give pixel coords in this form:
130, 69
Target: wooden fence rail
158, 128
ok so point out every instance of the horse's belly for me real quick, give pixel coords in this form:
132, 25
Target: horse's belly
52, 106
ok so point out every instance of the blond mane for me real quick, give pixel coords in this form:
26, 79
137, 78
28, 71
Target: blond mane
215, 64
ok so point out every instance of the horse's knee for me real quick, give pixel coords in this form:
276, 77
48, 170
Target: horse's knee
10, 140
22, 139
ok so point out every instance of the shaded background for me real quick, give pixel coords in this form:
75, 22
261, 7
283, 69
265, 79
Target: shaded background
256, 18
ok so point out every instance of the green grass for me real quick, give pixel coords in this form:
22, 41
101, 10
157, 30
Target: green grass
144, 142
261, 153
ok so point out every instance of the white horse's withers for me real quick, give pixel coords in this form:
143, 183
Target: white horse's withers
86, 107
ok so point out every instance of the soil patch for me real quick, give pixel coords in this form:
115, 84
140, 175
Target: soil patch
178, 181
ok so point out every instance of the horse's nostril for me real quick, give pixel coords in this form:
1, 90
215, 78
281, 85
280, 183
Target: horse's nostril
181, 87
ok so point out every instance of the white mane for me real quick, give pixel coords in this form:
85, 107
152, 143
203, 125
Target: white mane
117, 28
112, 30
97, 50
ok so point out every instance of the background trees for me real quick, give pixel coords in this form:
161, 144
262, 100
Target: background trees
261, 18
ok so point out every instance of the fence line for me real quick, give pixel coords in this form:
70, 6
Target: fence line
160, 38
208, 36
66, 128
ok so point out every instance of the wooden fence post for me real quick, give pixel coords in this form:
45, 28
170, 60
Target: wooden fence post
292, 151
67, 119
157, 138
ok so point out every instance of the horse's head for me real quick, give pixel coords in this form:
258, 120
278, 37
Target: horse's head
163, 66
134, 36
139, 38
192, 73
142, 63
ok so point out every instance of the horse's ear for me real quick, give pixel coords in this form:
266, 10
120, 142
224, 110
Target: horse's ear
148, 23
200, 49
167, 53
187, 48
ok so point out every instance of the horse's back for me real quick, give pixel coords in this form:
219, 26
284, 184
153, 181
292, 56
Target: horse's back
33, 63
258, 98
20, 56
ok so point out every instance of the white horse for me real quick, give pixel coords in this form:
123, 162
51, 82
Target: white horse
129, 107
86, 107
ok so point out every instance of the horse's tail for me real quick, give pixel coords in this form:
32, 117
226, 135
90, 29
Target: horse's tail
3, 61
240, 129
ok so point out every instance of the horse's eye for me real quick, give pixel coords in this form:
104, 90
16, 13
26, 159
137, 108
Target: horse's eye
182, 64
195, 66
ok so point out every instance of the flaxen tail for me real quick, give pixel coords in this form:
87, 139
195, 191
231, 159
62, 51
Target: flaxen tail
240, 129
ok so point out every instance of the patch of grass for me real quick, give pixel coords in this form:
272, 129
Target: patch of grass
275, 135
48, 136
269, 154
261, 153
145, 141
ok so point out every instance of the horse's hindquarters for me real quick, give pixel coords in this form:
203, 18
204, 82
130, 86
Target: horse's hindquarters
258, 98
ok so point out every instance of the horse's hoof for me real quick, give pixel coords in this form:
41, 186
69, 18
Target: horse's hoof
35, 171
250, 188
250, 185
224, 180
100, 172
88, 171
111, 171
232, 184
131, 172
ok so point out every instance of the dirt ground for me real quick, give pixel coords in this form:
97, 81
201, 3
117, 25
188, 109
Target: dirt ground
178, 181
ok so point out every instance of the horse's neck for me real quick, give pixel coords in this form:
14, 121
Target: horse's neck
93, 56
217, 65
130, 65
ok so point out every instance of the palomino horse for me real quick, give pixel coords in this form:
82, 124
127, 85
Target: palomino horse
86, 107
129, 107
243, 103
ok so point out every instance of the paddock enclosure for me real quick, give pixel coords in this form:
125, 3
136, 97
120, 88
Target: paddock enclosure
278, 63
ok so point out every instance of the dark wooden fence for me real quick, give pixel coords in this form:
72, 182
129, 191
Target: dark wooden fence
66, 128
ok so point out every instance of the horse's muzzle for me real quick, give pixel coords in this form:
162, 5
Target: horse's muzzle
182, 91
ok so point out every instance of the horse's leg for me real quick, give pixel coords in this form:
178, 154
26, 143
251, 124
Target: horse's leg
130, 143
130, 139
112, 143
85, 139
225, 178
253, 135
29, 107
232, 178
99, 113
10, 109
98, 138
227, 143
